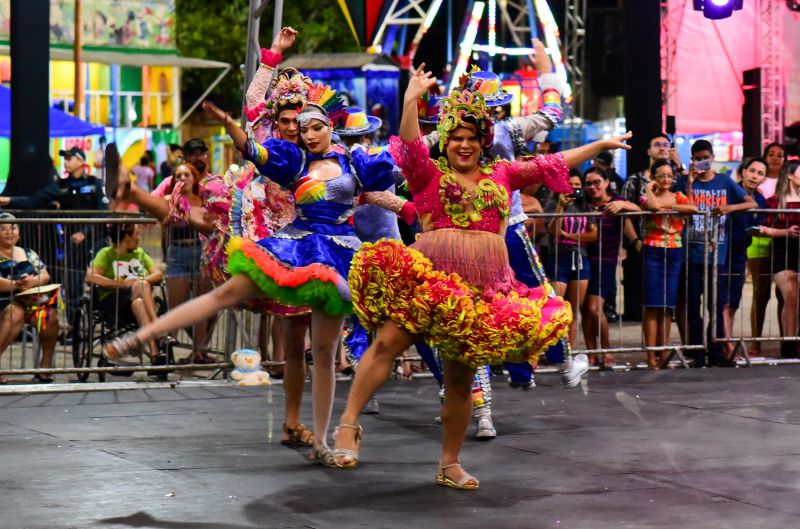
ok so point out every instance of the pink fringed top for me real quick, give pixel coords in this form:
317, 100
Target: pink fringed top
443, 200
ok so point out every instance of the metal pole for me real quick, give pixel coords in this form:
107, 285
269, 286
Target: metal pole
78, 98
253, 49
277, 18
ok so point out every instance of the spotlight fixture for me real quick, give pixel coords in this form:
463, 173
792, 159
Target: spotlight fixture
793, 5
717, 9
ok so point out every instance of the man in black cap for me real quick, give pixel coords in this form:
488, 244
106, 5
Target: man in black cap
79, 191
195, 152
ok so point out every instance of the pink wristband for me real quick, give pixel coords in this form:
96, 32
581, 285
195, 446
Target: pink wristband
270, 58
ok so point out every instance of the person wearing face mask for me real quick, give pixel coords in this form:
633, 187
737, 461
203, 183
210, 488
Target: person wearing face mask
719, 195
307, 262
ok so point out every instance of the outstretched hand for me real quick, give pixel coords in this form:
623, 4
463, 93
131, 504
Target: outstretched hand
213, 111
420, 82
284, 40
541, 61
619, 142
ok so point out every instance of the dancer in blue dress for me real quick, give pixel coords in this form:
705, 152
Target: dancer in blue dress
307, 262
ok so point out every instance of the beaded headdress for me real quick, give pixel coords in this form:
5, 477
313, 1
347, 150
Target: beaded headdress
324, 104
288, 91
464, 108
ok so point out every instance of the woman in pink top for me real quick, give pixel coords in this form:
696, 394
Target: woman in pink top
454, 287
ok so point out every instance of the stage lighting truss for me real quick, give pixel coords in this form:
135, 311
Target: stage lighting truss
717, 9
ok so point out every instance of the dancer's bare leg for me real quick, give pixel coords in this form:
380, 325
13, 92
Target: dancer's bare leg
237, 289
456, 414
293, 331
325, 331
373, 371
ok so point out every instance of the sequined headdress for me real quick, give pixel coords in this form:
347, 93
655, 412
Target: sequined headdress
464, 108
324, 104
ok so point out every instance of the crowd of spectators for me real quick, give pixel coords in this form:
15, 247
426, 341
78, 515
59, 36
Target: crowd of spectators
649, 232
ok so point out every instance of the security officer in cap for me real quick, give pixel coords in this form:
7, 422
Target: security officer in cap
79, 191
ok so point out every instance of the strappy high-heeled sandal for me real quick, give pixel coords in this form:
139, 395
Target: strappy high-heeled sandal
322, 454
467, 481
125, 350
298, 436
351, 455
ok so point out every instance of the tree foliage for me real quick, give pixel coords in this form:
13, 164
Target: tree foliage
217, 30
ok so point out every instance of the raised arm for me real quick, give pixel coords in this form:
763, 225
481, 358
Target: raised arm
419, 83
233, 129
270, 58
578, 155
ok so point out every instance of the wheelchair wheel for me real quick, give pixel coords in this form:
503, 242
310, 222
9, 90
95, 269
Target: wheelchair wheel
165, 358
82, 338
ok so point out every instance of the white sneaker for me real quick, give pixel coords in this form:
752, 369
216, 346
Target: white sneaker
373, 407
437, 419
485, 430
526, 386
572, 370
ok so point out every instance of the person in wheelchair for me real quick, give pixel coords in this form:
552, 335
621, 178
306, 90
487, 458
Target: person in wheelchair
125, 275
20, 270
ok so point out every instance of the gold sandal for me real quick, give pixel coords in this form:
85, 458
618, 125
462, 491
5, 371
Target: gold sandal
125, 350
467, 481
298, 436
322, 454
346, 452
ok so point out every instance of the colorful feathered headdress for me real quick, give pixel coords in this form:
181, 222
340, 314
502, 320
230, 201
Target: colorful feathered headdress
324, 104
464, 108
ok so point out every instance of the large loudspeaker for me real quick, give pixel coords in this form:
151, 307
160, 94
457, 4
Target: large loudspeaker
751, 113
642, 77
605, 51
30, 90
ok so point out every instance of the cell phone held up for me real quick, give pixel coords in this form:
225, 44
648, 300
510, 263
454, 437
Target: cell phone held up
702, 166
578, 195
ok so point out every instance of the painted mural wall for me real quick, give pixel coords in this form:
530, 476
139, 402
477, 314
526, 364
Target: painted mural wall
143, 24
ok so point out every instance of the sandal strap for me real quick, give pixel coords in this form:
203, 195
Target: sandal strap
467, 477
297, 433
351, 426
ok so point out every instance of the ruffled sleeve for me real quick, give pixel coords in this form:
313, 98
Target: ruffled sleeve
413, 158
374, 171
550, 170
277, 159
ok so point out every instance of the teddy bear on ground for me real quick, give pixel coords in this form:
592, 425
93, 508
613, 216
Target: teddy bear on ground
247, 370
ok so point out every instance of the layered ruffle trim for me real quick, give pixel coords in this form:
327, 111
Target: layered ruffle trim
316, 286
390, 281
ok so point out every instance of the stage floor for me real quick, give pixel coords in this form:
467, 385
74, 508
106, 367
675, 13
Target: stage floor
716, 448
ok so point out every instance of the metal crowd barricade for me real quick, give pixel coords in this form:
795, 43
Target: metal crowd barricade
625, 342
734, 338
49, 234
240, 328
